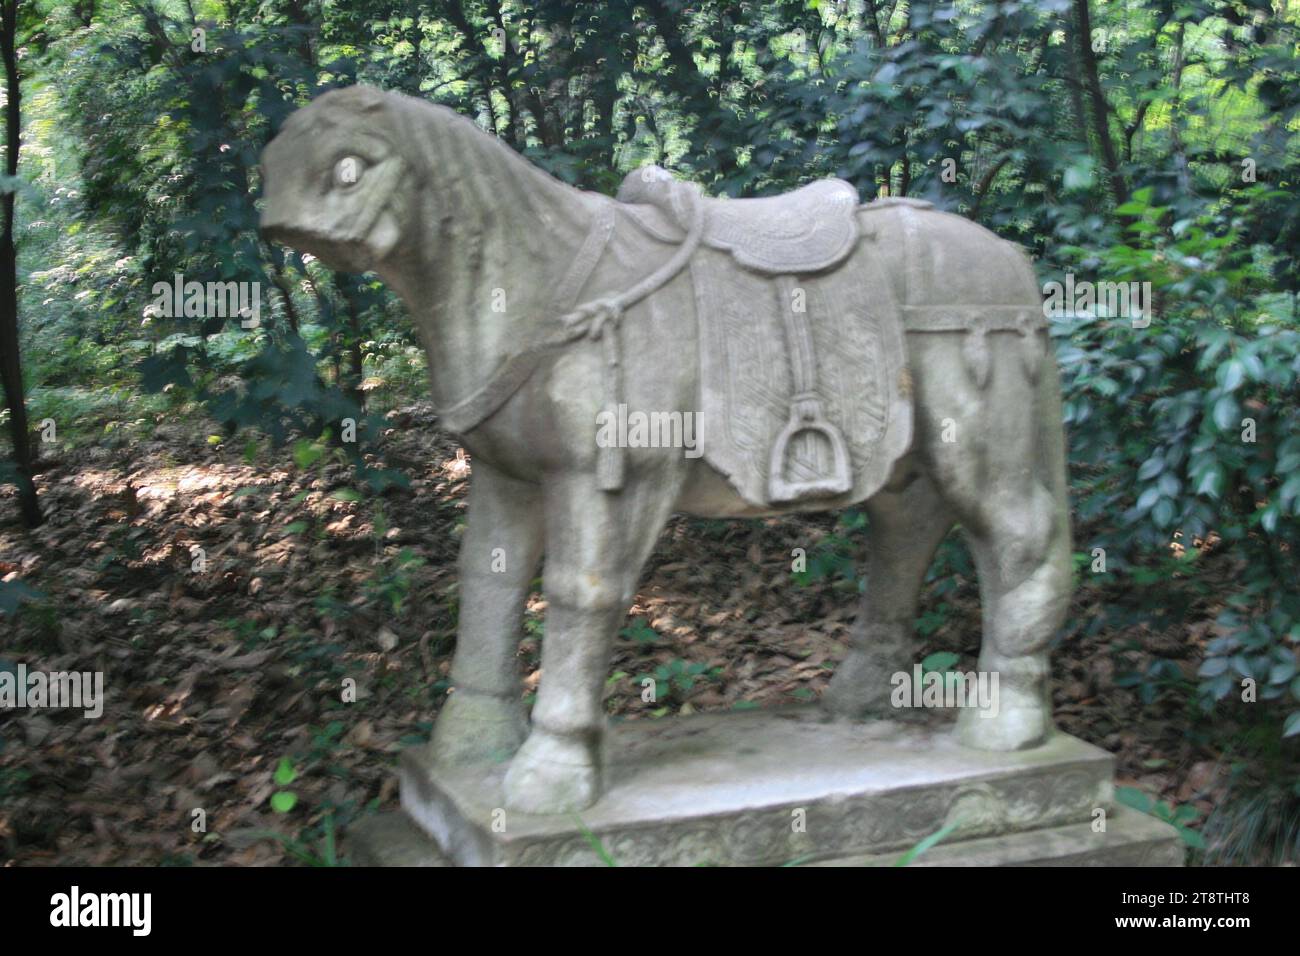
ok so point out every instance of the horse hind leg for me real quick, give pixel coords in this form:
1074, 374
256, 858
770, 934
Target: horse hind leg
906, 528
1023, 560
1006, 481
995, 449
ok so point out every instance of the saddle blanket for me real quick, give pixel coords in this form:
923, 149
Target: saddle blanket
747, 384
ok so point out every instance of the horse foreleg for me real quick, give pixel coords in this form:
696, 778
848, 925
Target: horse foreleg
596, 544
483, 719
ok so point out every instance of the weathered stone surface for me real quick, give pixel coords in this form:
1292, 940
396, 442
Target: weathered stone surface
1130, 839
391, 839
890, 354
731, 788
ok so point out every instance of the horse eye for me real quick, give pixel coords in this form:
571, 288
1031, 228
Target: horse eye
348, 170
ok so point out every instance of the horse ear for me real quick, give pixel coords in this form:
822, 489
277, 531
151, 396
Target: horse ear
644, 184
374, 101
360, 98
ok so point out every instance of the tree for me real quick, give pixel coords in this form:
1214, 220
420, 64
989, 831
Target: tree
11, 367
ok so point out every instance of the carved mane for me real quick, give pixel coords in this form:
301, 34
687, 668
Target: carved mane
500, 224
480, 178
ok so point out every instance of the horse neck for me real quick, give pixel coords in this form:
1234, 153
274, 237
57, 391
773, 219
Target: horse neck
482, 281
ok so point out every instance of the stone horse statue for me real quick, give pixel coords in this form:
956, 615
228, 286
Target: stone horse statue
886, 354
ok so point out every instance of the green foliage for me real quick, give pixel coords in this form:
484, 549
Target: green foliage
595, 843
1191, 426
1180, 817
14, 593
940, 662
316, 843
640, 631
390, 587
282, 801
835, 558
13, 781
1258, 819
926, 844
674, 681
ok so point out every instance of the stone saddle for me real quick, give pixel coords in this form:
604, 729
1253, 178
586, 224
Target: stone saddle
770, 376
807, 230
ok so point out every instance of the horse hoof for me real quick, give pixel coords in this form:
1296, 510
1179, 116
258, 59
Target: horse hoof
478, 728
552, 774
860, 688
1016, 727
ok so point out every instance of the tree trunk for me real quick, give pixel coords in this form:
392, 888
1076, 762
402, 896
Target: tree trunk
1100, 110
1176, 117
11, 367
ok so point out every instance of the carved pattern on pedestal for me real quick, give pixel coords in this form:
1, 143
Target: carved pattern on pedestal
978, 810
878, 824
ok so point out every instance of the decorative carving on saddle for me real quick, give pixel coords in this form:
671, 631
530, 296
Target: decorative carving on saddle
809, 231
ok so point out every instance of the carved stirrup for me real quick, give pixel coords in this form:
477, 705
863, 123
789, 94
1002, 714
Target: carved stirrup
806, 416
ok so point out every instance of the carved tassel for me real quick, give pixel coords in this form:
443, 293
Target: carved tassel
976, 352
609, 458
1032, 352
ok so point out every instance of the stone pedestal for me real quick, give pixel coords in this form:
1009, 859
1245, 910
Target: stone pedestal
778, 787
